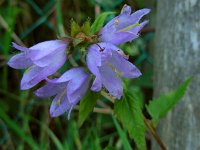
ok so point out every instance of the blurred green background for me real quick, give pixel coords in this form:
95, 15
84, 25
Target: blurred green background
24, 119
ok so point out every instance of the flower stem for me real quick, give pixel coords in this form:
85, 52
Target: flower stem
155, 134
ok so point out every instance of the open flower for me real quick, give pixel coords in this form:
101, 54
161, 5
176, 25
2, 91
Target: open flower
68, 90
125, 27
42, 60
107, 63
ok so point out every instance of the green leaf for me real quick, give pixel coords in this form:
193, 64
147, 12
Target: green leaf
122, 135
128, 111
60, 27
99, 21
159, 107
87, 105
75, 28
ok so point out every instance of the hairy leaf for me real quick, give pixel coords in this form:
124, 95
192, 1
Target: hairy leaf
128, 111
159, 107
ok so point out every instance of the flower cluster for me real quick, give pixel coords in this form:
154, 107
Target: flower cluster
104, 60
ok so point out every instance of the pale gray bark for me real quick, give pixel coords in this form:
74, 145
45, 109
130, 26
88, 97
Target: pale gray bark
177, 57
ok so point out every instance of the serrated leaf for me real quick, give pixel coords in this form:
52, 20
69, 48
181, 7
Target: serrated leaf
159, 107
75, 28
128, 111
99, 21
87, 105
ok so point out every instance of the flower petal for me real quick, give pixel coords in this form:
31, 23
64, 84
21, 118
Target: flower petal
36, 74
50, 89
59, 105
93, 59
19, 61
125, 67
111, 82
69, 75
124, 37
97, 84
53, 57
139, 14
44, 48
126, 10
18, 47
77, 88
43, 53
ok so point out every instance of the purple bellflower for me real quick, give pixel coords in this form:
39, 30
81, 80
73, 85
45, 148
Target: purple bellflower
68, 90
42, 60
125, 27
107, 62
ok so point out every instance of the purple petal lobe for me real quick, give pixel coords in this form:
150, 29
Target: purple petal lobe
19, 61
93, 59
126, 68
111, 82
18, 47
42, 54
139, 14
77, 88
53, 57
126, 10
97, 85
60, 105
44, 48
70, 74
50, 89
36, 74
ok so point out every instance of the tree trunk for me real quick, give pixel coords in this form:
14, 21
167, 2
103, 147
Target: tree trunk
177, 57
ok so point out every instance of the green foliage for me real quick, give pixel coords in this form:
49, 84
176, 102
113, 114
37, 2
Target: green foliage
18, 130
99, 21
159, 107
60, 27
25, 122
122, 135
87, 105
107, 4
128, 111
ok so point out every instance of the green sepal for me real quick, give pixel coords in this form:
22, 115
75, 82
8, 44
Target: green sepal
75, 28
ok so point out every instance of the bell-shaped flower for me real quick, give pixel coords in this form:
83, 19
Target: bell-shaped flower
42, 60
107, 62
125, 27
67, 90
